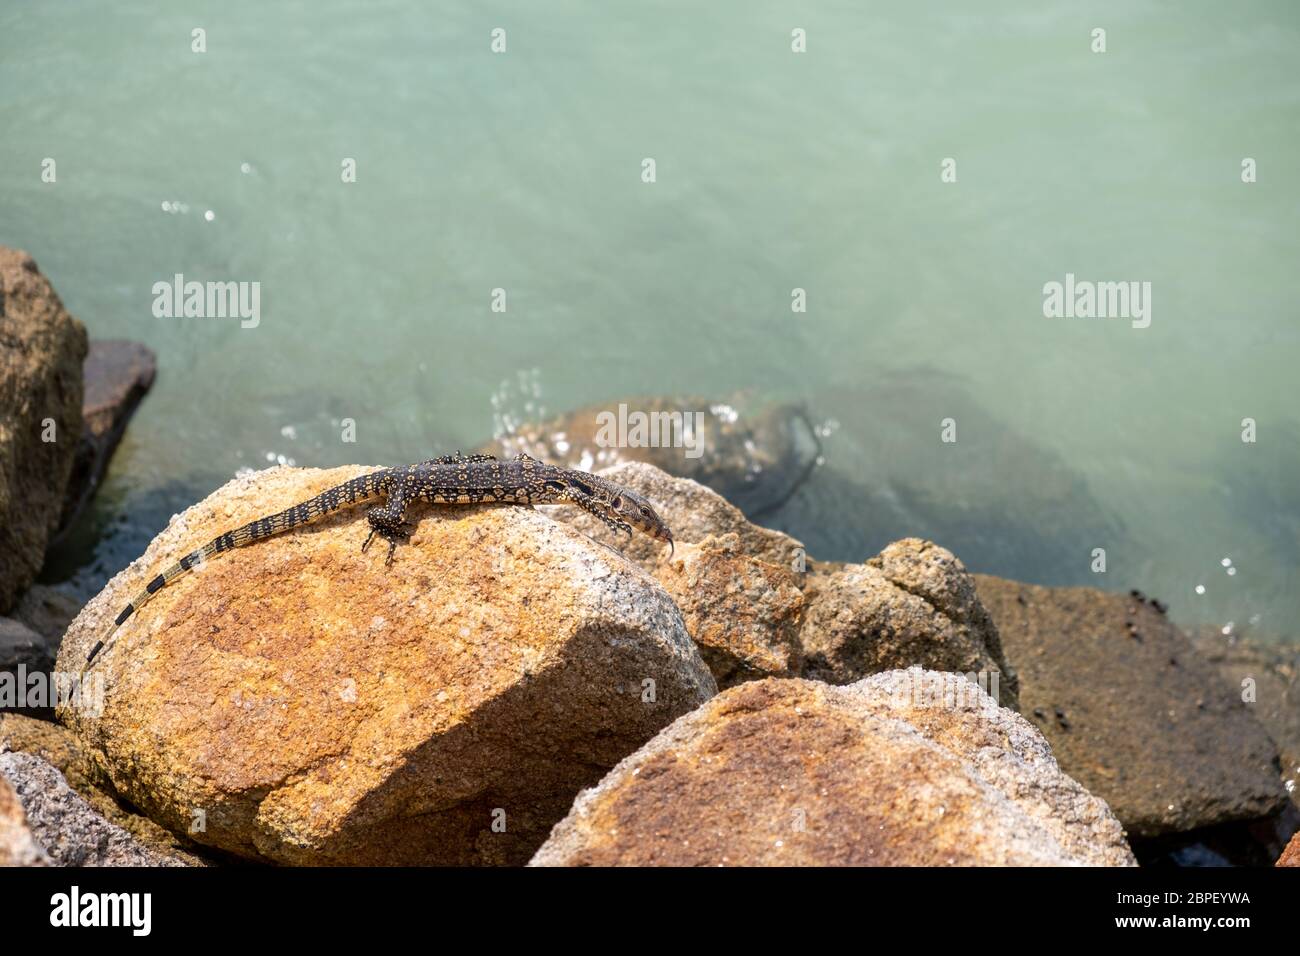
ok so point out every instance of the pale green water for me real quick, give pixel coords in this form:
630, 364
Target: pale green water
775, 170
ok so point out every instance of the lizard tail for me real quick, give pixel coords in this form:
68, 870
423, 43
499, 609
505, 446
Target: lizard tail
360, 489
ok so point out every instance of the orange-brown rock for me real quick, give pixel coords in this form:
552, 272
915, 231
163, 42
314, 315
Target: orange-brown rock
737, 584
903, 768
1291, 855
755, 612
297, 701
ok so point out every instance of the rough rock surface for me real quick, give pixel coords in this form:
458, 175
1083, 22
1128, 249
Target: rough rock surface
17, 848
914, 604
1131, 710
735, 583
903, 768
117, 375
754, 611
47, 611
64, 825
1291, 855
56, 746
315, 706
754, 458
41, 350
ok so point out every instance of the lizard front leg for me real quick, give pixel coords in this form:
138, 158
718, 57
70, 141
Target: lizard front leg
389, 522
588, 504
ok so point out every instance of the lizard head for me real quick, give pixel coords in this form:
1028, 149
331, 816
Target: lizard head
634, 509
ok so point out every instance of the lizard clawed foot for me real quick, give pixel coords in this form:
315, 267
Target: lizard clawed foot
392, 531
393, 537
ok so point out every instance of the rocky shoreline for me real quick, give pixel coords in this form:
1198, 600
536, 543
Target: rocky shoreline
522, 688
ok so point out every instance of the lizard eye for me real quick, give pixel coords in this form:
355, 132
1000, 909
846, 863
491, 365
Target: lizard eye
646, 512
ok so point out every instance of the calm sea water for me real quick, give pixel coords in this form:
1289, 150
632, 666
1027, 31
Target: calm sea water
775, 170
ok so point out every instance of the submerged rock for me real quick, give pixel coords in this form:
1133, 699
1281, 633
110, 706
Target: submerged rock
309, 705
755, 611
65, 827
753, 458
117, 376
41, 351
1000, 499
1132, 711
903, 768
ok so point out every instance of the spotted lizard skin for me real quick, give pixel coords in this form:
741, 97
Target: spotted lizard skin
451, 480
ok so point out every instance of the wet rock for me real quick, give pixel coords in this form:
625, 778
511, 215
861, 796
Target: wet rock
902, 768
29, 640
310, 705
41, 350
64, 825
117, 376
1146, 725
25, 659
20, 645
1267, 678
755, 458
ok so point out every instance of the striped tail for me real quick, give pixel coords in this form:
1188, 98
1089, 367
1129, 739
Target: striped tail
358, 490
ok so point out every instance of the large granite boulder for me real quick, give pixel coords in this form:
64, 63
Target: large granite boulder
298, 701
